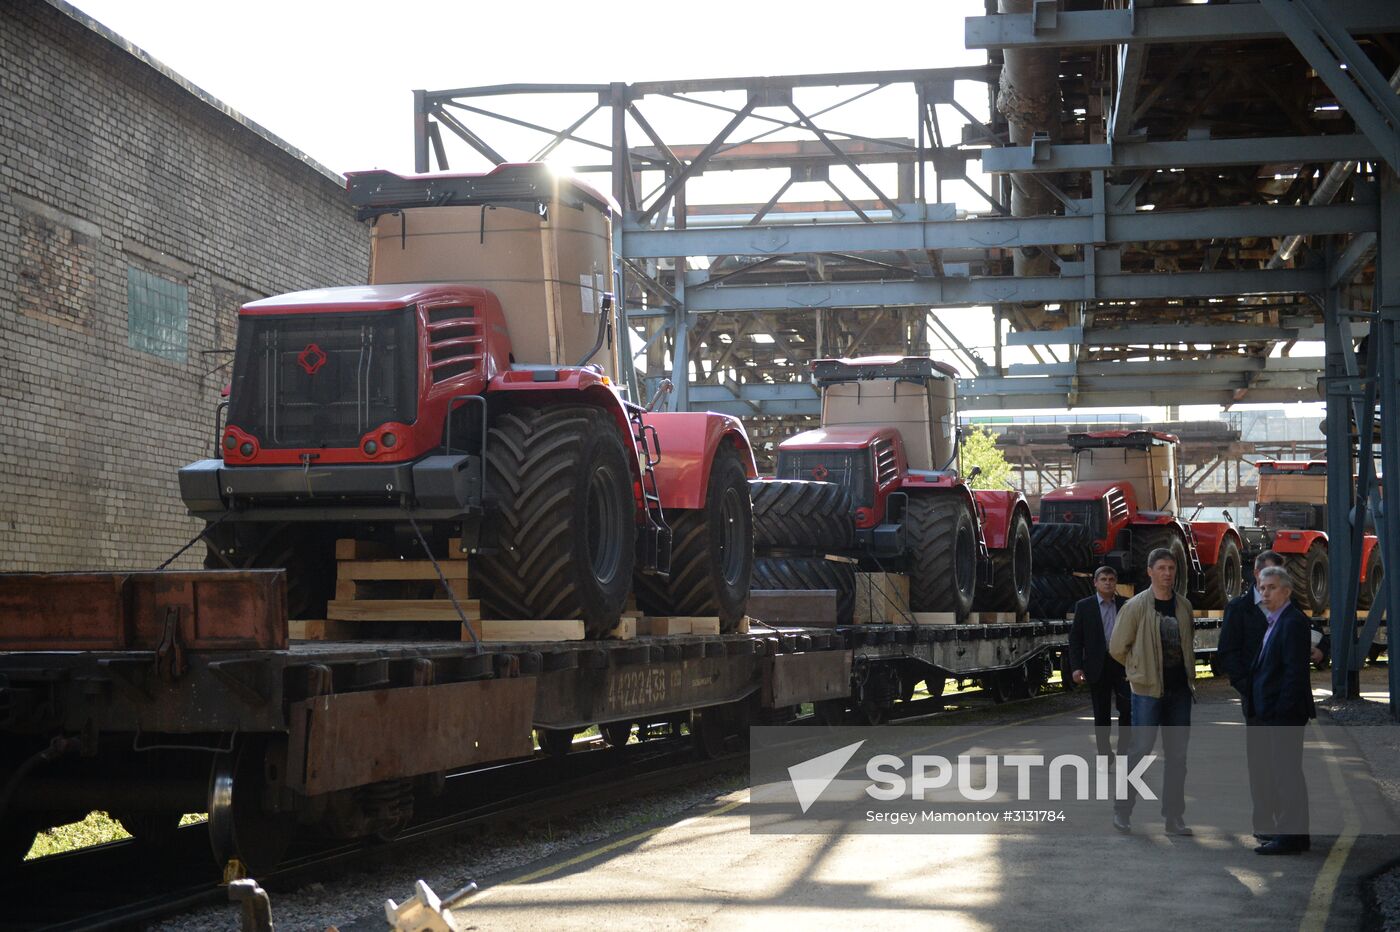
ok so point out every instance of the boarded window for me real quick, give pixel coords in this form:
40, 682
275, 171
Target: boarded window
158, 315
55, 261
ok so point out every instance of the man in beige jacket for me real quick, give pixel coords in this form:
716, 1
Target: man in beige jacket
1153, 640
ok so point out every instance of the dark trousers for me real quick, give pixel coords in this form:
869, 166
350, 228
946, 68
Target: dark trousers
1276, 780
1170, 714
1109, 690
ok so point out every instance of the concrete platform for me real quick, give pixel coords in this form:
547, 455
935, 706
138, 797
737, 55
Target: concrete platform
708, 871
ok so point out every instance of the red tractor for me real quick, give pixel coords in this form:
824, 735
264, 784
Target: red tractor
889, 441
470, 393
1291, 504
1121, 506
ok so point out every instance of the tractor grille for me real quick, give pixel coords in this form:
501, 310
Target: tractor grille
850, 469
1297, 516
1088, 514
310, 381
454, 342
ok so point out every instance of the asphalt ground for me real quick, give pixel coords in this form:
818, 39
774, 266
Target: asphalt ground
707, 869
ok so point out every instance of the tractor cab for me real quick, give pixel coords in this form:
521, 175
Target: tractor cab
886, 420
1292, 495
1142, 460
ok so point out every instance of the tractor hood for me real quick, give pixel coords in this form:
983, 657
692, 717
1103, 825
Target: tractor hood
1086, 491
839, 437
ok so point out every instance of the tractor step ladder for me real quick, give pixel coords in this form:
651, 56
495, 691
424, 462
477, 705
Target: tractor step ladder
1193, 555
654, 537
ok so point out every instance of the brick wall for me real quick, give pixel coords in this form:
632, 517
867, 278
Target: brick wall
107, 164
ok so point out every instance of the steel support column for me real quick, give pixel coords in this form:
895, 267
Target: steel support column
1385, 354
1344, 567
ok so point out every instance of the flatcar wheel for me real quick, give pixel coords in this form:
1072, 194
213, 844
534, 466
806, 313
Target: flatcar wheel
239, 826
997, 685
707, 728
830, 711
556, 742
616, 734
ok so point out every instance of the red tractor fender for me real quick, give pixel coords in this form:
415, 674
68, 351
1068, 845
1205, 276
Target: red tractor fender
1297, 541
1209, 536
689, 441
1368, 544
998, 507
570, 385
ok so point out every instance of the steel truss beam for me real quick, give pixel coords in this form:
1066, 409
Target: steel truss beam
1344, 67
1163, 335
1189, 153
978, 292
1005, 232
1155, 25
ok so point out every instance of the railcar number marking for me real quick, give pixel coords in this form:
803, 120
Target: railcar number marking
631, 689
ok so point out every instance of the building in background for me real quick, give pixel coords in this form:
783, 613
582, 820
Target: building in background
136, 214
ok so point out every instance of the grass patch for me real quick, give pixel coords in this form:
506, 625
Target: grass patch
98, 828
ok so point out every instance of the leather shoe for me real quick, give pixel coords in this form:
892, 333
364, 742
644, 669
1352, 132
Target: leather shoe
1178, 827
1278, 846
1263, 839
1122, 823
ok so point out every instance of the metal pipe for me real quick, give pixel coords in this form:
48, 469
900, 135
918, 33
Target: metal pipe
1029, 98
1327, 189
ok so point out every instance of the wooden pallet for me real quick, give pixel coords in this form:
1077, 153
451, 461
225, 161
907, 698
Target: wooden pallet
373, 585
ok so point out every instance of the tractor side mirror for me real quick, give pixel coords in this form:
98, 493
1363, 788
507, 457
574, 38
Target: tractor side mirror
1228, 517
973, 473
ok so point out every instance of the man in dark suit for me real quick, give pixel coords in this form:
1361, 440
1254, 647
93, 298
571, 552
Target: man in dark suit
1242, 631
1090, 662
1277, 706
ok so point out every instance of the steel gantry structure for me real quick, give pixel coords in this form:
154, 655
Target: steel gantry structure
1171, 197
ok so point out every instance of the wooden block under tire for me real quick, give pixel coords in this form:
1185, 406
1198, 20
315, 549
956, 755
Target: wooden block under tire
663, 626
526, 630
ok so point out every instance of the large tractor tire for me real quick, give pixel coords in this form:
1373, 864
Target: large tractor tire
306, 551
795, 514
1053, 597
942, 540
788, 572
1146, 540
1062, 547
1308, 571
1225, 577
711, 551
1011, 572
1375, 579
565, 517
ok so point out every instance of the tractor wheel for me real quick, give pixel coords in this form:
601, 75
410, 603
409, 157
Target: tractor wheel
1067, 547
942, 542
711, 552
1011, 572
1054, 597
559, 480
305, 551
1146, 540
1375, 578
813, 517
1224, 579
1308, 571
809, 573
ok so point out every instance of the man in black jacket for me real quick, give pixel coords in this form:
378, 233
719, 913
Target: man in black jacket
1277, 706
1094, 618
1242, 631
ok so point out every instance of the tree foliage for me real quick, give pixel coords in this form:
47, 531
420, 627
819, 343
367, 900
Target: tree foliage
979, 448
